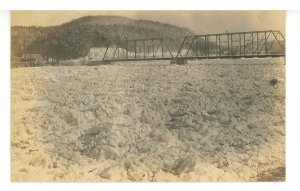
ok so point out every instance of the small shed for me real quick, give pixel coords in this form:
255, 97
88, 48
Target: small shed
30, 60
96, 53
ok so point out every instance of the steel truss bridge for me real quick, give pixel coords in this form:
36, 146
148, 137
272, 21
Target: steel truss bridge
261, 44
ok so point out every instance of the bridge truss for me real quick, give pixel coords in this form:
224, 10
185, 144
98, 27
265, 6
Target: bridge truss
233, 45
268, 43
141, 49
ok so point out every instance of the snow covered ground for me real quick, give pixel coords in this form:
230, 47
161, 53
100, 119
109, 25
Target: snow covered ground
210, 120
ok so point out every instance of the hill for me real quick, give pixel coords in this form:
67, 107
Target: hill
74, 39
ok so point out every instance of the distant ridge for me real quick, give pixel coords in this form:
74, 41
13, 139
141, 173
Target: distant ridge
74, 39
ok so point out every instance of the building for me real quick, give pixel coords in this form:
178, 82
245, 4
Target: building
96, 53
31, 60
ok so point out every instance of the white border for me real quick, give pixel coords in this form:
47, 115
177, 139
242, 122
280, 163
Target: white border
149, 4
292, 106
4, 97
293, 98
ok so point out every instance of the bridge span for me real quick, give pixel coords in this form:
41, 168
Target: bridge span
260, 44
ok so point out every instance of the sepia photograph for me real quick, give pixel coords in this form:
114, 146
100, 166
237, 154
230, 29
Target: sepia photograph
148, 96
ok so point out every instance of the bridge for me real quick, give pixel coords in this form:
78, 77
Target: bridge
141, 49
260, 44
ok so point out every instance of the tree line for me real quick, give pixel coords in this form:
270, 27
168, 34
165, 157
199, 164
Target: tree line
71, 41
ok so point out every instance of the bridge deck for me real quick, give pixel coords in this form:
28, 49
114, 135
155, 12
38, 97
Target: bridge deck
203, 57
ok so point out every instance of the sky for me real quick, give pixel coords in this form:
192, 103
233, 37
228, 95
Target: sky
201, 22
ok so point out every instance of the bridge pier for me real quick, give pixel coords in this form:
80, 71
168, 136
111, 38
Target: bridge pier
104, 62
98, 62
179, 61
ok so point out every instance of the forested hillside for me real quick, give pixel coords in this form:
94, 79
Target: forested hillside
75, 38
